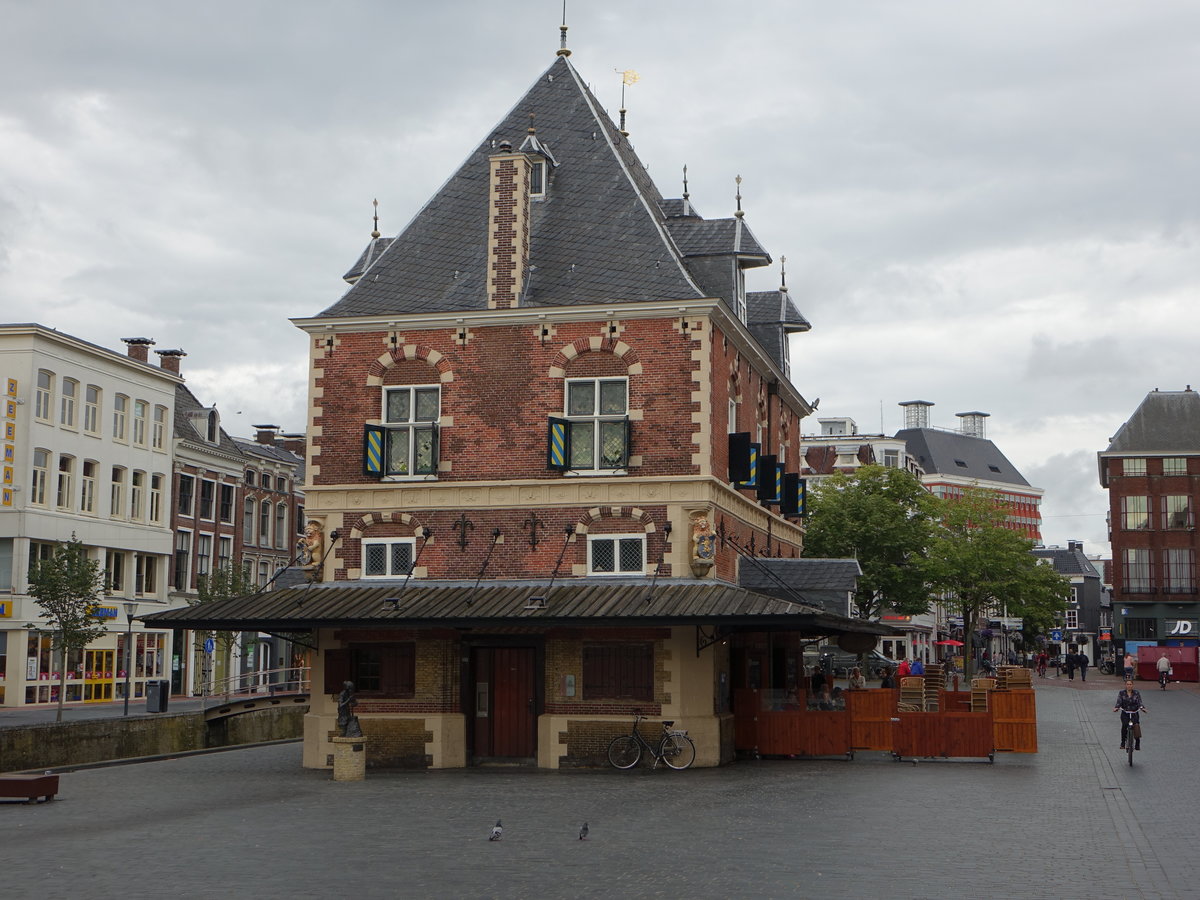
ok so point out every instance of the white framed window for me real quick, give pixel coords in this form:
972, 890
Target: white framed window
185, 495
120, 417
387, 558
732, 423
208, 493
537, 178
281, 530
407, 442
43, 398
91, 409
87, 497
617, 554
156, 483
183, 551
225, 504
145, 577
114, 571
1071, 619
248, 521
203, 553
1179, 571
1137, 570
224, 553
264, 523
41, 476
116, 499
141, 410
891, 459
1177, 511
70, 393
264, 573
64, 497
597, 423
137, 495
740, 291
158, 430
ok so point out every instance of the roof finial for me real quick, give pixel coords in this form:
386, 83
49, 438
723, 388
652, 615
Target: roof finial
375, 233
783, 274
628, 76
685, 190
739, 212
562, 40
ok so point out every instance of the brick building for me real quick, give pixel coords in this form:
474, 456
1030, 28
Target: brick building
1150, 470
548, 423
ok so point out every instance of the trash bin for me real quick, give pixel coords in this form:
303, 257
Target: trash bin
157, 695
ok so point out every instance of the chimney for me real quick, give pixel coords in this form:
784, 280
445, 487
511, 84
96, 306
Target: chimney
169, 359
508, 226
974, 424
139, 348
293, 442
916, 413
265, 434
1075, 545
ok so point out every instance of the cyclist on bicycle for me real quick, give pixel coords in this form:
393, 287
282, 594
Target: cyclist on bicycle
1129, 702
1164, 669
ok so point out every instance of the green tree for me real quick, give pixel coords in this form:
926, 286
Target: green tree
980, 566
68, 587
221, 584
884, 518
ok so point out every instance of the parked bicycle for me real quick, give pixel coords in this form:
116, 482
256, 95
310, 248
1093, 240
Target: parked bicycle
1108, 666
675, 749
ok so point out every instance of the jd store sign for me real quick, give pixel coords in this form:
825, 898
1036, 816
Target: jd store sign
1181, 628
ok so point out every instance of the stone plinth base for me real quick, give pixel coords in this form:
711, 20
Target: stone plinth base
349, 758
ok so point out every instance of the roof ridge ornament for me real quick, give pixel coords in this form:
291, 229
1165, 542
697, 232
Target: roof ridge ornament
375, 231
738, 212
685, 188
562, 39
783, 274
628, 76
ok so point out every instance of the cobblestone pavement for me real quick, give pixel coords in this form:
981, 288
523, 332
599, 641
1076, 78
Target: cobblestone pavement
1073, 821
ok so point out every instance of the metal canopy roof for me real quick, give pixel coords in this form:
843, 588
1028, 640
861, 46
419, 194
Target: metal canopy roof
462, 604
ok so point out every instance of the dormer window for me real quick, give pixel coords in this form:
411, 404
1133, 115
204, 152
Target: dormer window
537, 179
740, 290
214, 427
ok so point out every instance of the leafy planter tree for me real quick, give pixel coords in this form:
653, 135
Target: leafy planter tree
68, 587
981, 565
884, 518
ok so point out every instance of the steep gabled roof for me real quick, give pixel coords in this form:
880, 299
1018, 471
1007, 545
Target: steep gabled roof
962, 455
1164, 422
598, 236
771, 317
188, 413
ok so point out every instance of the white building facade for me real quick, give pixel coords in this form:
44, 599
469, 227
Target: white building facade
87, 454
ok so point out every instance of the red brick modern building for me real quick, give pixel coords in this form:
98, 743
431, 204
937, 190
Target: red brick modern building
1151, 469
548, 424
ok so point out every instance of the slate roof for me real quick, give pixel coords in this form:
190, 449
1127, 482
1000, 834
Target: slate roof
597, 237
373, 251
822, 582
771, 317
716, 237
188, 410
1067, 560
1164, 422
272, 453
503, 604
950, 453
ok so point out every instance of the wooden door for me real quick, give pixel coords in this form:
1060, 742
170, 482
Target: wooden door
505, 703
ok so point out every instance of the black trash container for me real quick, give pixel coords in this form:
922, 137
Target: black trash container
157, 695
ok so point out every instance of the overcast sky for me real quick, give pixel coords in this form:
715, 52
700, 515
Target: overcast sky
988, 205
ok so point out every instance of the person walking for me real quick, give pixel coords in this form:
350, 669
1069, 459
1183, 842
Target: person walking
1083, 662
1129, 664
1071, 666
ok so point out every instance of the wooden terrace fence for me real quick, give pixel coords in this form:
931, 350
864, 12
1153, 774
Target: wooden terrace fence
765, 724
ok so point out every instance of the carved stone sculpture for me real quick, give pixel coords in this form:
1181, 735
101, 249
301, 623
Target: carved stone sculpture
310, 550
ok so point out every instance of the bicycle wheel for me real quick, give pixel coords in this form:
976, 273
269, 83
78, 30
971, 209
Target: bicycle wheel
1129, 747
677, 751
624, 752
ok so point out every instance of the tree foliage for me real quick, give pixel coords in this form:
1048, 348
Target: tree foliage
68, 587
884, 518
982, 566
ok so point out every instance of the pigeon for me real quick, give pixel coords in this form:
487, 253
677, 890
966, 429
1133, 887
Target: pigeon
497, 830
583, 832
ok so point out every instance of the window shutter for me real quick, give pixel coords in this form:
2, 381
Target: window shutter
397, 663
374, 441
627, 442
337, 670
739, 457
766, 477
789, 500
752, 480
802, 497
558, 444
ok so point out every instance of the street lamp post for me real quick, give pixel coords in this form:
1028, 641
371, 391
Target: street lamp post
130, 612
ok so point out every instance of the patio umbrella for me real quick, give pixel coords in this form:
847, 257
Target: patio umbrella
949, 643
